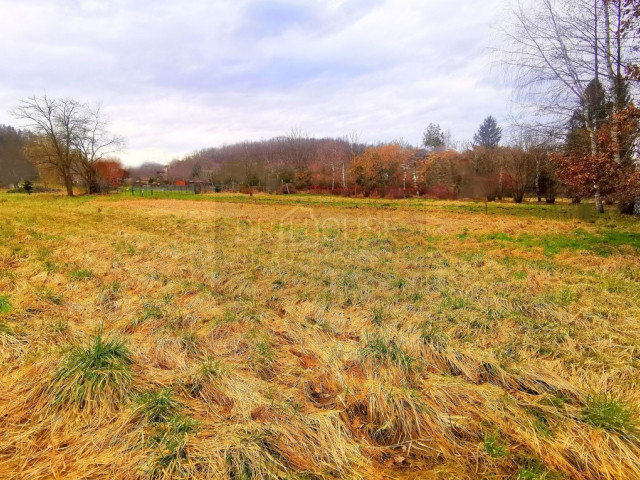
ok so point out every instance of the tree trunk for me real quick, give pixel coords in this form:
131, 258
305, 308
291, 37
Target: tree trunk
93, 186
404, 184
68, 183
599, 204
615, 78
344, 178
537, 181
636, 207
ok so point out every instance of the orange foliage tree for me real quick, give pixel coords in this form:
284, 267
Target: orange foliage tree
110, 171
615, 179
379, 168
443, 173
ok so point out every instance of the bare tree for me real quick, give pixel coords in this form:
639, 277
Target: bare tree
68, 136
561, 53
55, 123
355, 149
94, 143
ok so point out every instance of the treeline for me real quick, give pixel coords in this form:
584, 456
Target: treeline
532, 166
283, 164
396, 169
14, 164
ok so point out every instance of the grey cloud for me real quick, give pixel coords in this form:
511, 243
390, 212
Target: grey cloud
176, 76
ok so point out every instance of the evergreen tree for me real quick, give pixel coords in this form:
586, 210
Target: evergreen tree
433, 137
489, 133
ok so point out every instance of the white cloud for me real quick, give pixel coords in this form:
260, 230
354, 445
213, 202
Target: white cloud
178, 76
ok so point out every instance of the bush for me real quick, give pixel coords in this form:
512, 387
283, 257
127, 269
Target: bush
287, 189
627, 206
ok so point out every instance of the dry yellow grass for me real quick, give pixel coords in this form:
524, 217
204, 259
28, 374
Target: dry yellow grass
334, 338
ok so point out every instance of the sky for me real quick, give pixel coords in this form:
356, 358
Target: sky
174, 77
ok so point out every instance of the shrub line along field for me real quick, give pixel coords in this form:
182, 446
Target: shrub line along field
234, 337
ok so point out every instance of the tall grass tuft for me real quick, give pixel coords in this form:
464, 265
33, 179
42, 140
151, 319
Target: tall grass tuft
169, 438
169, 432
94, 373
5, 329
610, 413
158, 405
387, 352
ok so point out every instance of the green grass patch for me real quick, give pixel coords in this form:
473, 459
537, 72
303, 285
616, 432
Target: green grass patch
379, 315
81, 274
502, 237
603, 244
170, 440
611, 414
435, 337
387, 351
158, 405
168, 434
97, 372
494, 445
535, 470
5, 304
5, 329
149, 311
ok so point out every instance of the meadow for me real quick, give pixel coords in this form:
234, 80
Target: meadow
310, 337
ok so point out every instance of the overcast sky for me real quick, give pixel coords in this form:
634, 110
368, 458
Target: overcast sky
177, 76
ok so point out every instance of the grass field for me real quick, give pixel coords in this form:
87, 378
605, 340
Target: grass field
302, 337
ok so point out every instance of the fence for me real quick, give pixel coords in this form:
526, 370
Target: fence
148, 190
